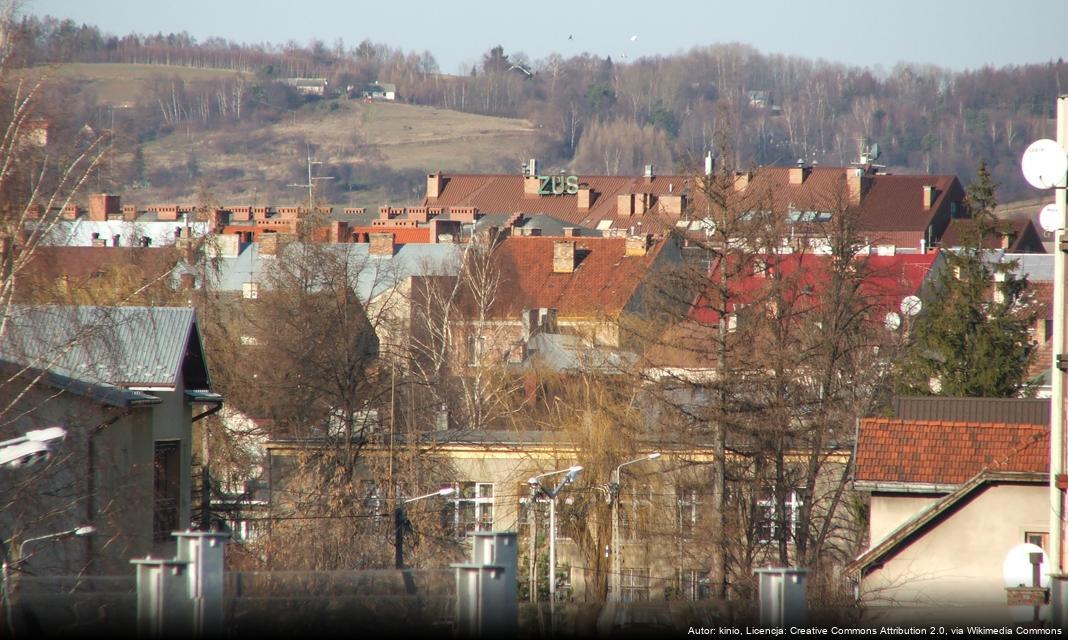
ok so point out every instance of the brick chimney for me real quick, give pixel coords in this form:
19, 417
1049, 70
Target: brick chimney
858, 183
531, 186
585, 198
102, 204
636, 246
742, 178
564, 256
571, 232
434, 185
929, 195
799, 173
70, 212
129, 212
381, 244
625, 204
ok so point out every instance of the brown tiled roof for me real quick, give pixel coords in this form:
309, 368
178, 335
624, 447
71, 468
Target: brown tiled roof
603, 283
79, 264
1021, 230
891, 203
934, 452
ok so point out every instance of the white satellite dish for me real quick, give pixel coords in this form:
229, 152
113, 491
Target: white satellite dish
892, 321
1045, 164
633, 38
1050, 218
911, 305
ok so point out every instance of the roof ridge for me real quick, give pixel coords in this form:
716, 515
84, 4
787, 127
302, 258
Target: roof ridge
882, 421
1029, 442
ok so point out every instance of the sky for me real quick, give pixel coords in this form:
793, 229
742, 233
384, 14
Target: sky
956, 34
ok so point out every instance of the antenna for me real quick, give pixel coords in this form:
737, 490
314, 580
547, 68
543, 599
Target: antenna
310, 186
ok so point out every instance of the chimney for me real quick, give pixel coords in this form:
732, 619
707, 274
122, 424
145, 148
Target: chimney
858, 183
382, 244
648, 172
339, 231
188, 281
799, 173
585, 198
625, 204
531, 186
434, 183
102, 204
418, 214
673, 204
1006, 239
129, 212
564, 256
741, 180
70, 212
571, 232
636, 246
929, 195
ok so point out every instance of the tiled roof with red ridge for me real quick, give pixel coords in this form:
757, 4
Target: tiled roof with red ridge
934, 452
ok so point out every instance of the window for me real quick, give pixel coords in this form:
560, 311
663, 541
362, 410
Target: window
476, 346
471, 507
634, 585
167, 487
1040, 538
250, 290
689, 502
768, 523
634, 513
371, 497
695, 584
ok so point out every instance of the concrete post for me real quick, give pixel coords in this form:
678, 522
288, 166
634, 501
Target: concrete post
486, 589
205, 553
163, 604
782, 597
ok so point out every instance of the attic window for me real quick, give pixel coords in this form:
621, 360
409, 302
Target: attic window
604, 225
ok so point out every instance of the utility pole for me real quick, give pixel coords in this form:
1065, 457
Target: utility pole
310, 186
615, 577
400, 523
1058, 579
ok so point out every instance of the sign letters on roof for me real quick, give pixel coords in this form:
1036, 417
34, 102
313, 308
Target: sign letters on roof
557, 185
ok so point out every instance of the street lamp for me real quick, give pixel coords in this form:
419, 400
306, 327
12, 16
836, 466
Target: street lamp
84, 530
617, 556
30, 448
535, 484
400, 521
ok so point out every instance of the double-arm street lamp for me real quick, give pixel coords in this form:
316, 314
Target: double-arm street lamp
535, 484
615, 577
400, 522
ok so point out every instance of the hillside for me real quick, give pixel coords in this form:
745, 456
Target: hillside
375, 152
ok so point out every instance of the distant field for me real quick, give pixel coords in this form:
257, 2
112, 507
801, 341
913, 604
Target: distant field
120, 84
400, 136
262, 161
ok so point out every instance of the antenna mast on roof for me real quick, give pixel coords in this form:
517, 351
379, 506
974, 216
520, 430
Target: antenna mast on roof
310, 186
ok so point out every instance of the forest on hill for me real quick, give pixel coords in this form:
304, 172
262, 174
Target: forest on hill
602, 116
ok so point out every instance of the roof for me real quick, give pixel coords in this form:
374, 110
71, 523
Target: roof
1016, 410
930, 517
371, 275
121, 346
940, 454
890, 204
80, 265
604, 281
564, 353
1021, 232
887, 280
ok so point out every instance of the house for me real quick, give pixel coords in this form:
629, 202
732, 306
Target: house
380, 91
127, 384
949, 499
316, 87
1013, 235
903, 212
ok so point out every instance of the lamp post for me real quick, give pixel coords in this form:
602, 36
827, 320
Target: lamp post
534, 482
615, 579
400, 521
86, 530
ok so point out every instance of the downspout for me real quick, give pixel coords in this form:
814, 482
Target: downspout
205, 475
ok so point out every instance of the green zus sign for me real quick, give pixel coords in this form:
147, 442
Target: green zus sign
557, 185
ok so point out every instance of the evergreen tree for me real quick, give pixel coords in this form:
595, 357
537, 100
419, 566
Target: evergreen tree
972, 337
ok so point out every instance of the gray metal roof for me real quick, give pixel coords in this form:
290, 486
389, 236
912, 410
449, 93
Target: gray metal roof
371, 275
563, 352
126, 346
1038, 267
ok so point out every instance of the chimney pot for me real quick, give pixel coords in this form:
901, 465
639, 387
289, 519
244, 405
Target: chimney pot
564, 256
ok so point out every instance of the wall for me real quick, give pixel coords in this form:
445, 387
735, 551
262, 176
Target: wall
890, 512
954, 571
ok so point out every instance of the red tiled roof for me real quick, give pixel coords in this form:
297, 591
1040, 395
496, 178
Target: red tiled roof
49, 263
895, 203
1021, 230
888, 279
603, 282
946, 453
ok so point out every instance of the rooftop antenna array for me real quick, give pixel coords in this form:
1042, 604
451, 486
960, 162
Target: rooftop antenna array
310, 186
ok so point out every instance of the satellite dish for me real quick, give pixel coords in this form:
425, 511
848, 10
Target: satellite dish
911, 305
1050, 218
1045, 164
892, 321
